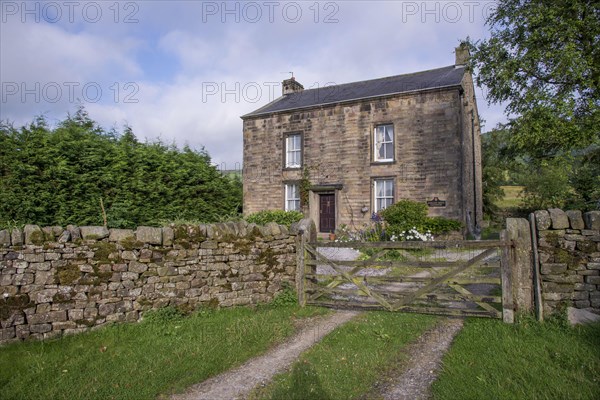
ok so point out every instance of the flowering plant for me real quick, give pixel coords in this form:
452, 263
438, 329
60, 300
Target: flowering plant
374, 231
344, 234
413, 234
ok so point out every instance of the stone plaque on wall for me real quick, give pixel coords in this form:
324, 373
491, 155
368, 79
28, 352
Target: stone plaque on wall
436, 202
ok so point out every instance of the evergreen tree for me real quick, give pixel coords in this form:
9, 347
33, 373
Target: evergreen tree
57, 176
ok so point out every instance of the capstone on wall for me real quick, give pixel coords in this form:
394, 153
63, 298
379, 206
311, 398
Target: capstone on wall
56, 281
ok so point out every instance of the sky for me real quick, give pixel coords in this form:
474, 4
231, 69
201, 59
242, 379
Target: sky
185, 71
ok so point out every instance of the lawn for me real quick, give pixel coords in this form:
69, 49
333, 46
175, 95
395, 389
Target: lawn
349, 361
512, 198
527, 360
163, 354
166, 353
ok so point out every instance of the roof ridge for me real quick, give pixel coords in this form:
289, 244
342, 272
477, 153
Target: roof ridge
382, 78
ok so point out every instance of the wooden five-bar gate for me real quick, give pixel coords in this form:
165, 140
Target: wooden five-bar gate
457, 278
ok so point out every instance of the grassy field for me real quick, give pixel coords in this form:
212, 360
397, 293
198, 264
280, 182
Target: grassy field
527, 360
347, 363
511, 197
510, 206
164, 353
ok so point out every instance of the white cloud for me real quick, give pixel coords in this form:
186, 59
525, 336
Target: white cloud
370, 40
34, 52
45, 69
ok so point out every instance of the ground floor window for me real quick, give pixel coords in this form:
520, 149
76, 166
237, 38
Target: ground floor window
292, 197
383, 193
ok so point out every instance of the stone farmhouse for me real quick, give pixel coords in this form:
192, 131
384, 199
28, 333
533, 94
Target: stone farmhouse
340, 153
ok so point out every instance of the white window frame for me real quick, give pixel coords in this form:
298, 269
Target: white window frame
377, 144
389, 199
293, 146
292, 197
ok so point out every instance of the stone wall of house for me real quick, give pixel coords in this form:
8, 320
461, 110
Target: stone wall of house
56, 281
569, 258
472, 187
433, 154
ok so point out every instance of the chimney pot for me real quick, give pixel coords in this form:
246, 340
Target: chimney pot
291, 86
461, 54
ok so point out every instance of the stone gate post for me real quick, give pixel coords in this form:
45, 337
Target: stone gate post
307, 232
521, 263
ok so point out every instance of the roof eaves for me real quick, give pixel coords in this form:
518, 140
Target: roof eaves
263, 107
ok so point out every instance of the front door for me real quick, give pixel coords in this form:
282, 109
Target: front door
326, 212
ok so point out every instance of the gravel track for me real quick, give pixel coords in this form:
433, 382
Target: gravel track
425, 362
414, 383
238, 382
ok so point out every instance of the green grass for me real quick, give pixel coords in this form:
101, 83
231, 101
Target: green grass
347, 362
512, 198
527, 360
403, 272
394, 255
163, 354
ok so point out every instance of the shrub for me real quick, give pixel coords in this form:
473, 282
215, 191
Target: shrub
438, 225
281, 217
57, 175
407, 215
374, 231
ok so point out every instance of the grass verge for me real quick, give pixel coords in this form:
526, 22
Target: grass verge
164, 353
527, 360
347, 363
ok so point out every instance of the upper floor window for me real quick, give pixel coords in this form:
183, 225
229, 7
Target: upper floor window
383, 193
293, 151
292, 197
384, 143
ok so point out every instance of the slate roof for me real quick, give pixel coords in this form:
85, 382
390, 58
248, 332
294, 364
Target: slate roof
432, 79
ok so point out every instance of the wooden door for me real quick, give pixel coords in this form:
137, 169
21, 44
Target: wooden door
327, 213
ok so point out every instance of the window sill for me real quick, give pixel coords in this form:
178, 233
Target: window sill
387, 162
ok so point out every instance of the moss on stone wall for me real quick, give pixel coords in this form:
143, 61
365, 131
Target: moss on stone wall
254, 233
89, 322
185, 235
62, 297
572, 259
103, 250
68, 275
100, 276
267, 257
12, 304
130, 243
38, 238
243, 246
222, 271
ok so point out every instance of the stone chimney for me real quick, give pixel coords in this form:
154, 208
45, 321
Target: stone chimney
461, 54
291, 86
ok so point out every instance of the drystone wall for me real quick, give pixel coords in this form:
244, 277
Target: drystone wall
56, 281
569, 258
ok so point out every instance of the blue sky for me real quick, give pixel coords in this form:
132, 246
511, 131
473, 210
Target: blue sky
184, 71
